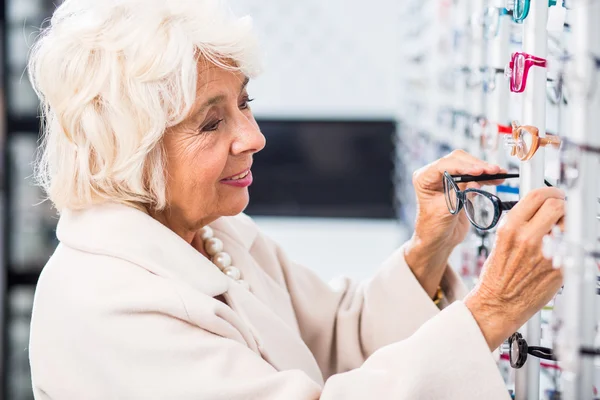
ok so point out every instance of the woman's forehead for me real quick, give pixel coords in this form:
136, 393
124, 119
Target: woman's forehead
213, 77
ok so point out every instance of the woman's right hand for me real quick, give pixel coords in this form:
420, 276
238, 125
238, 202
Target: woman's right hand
517, 281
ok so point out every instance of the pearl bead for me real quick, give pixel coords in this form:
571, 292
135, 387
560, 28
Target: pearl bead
222, 260
233, 273
244, 284
213, 246
206, 233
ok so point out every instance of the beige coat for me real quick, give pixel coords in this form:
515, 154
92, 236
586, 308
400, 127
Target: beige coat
126, 309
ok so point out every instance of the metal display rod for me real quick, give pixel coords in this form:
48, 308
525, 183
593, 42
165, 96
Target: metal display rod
461, 57
535, 42
497, 106
474, 96
581, 228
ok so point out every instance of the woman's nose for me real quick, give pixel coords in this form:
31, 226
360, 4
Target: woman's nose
249, 138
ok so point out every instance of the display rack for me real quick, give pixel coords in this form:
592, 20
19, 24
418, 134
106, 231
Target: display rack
532, 172
463, 45
580, 270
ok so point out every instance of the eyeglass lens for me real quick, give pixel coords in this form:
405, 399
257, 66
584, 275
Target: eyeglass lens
491, 20
479, 209
524, 143
582, 80
451, 195
520, 9
569, 171
519, 71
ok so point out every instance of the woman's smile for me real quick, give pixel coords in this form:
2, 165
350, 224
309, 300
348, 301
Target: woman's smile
243, 179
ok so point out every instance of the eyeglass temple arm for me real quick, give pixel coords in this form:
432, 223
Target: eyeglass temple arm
507, 205
482, 178
542, 352
550, 140
590, 351
537, 60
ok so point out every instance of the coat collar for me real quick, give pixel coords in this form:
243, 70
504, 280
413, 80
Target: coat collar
124, 232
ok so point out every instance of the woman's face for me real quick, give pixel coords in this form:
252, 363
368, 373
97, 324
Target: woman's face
209, 155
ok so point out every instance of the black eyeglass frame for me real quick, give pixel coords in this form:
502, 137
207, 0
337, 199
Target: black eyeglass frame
523, 350
461, 195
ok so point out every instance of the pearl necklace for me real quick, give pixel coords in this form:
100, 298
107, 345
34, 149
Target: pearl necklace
214, 248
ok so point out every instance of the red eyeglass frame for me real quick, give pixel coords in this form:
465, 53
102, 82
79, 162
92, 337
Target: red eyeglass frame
530, 61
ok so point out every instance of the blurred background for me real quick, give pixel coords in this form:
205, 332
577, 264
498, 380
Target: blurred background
325, 184
355, 96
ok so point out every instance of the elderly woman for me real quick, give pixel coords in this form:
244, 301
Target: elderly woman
161, 288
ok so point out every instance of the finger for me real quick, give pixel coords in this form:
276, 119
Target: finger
463, 155
469, 185
457, 163
477, 162
546, 218
494, 182
530, 204
485, 168
561, 224
462, 163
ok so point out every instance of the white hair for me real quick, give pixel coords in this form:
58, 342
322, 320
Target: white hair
112, 76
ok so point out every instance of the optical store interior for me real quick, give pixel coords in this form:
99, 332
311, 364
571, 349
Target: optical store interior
362, 105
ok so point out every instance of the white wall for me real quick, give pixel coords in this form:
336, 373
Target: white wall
325, 58
335, 247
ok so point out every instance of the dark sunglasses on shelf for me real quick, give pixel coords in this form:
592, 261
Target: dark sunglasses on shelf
518, 351
483, 209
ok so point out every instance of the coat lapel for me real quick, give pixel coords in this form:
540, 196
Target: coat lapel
267, 308
124, 232
278, 343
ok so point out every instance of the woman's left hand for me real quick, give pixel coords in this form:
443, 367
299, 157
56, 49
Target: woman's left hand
437, 231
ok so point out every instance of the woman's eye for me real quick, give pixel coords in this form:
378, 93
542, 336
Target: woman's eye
212, 126
245, 103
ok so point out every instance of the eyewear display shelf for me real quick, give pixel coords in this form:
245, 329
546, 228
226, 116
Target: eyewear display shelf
453, 96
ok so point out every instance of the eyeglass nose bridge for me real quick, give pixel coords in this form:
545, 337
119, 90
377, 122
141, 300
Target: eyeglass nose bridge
508, 71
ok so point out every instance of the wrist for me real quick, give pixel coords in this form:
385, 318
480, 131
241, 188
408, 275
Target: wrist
492, 318
427, 261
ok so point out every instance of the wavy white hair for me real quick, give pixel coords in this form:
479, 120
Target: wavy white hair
112, 76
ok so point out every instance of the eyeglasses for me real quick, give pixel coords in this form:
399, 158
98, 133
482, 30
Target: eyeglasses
573, 82
518, 69
489, 20
458, 120
518, 351
520, 8
489, 133
482, 208
558, 249
570, 154
484, 76
525, 141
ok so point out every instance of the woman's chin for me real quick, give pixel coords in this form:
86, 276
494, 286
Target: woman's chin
237, 204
